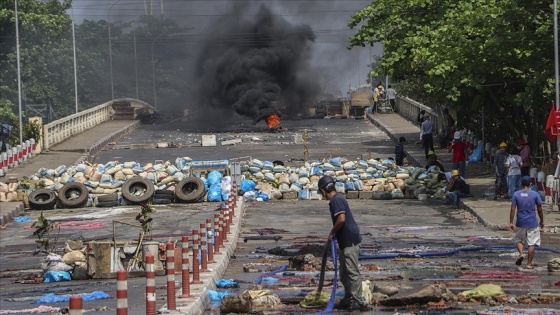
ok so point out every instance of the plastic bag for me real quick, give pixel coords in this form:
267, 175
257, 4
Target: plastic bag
215, 193
56, 276
217, 296
476, 156
226, 284
262, 196
214, 177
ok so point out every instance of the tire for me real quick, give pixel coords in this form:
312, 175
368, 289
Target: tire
164, 193
163, 201
108, 197
132, 185
107, 204
42, 199
67, 195
190, 189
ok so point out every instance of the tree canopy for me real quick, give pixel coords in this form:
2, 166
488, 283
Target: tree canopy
491, 54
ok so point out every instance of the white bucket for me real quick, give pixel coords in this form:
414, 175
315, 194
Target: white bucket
549, 181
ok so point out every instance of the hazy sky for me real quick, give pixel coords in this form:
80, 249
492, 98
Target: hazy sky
336, 67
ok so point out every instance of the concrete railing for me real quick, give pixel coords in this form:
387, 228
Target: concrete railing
64, 128
410, 109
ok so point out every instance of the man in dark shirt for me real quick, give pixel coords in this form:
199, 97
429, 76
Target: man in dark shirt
347, 234
399, 152
432, 160
456, 189
426, 132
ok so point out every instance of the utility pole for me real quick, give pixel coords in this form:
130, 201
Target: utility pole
18, 74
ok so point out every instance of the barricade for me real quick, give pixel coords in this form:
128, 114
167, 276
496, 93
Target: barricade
122, 292
170, 260
15, 157
75, 305
2, 165
150, 286
221, 229
185, 281
10, 158
203, 251
209, 235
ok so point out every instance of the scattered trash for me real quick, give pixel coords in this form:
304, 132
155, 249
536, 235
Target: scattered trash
226, 284
56, 276
217, 296
483, 290
36, 310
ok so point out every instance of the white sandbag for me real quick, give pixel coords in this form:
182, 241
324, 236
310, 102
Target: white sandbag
397, 194
259, 175
267, 165
293, 178
284, 187
127, 171
148, 167
129, 164
113, 170
109, 191
119, 175
179, 176
256, 163
295, 187
11, 196
279, 169
284, 179
349, 165
12, 186
3, 187
339, 187
303, 181
3, 196
106, 178
403, 175
269, 177
327, 167
97, 190
167, 180
329, 173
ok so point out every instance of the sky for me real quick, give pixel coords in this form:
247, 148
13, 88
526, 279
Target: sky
333, 65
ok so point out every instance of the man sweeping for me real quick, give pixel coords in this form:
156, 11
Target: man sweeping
347, 234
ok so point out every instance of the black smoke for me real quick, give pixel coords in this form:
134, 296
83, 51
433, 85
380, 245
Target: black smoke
257, 63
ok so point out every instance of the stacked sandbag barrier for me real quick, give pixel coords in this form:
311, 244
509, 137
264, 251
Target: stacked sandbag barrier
115, 183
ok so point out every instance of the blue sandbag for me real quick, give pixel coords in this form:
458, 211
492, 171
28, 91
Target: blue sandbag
56, 276
248, 185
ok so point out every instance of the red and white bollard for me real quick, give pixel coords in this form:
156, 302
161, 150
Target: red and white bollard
28, 150
203, 251
4, 162
10, 155
150, 286
19, 148
75, 305
170, 260
122, 292
216, 233
33, 146
15, 157
196, 268
2, 165
186, 285
209, 235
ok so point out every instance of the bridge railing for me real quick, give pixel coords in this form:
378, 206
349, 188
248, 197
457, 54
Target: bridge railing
410, 109
62, 129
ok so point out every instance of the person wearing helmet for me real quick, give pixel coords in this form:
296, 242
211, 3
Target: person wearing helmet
347, 234
456, 189
500, 185
525, 154
459, 148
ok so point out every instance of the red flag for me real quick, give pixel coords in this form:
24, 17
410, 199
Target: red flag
551, 129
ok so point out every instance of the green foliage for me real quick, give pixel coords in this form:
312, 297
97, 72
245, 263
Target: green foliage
32, 130
144, 217
496, 54
46, 242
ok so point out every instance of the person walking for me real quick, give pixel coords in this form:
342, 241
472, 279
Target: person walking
399, 151
513, 167
500, 185
377, 97
526, 227
426, 132
459, 149
391, 95
347, 234
525, 153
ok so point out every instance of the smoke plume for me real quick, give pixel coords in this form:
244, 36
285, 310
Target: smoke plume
254, 66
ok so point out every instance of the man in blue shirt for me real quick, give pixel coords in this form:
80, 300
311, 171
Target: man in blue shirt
526, 227
347, 234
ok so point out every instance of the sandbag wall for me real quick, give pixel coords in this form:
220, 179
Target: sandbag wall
262, 179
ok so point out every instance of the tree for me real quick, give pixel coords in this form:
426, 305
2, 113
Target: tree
496, 54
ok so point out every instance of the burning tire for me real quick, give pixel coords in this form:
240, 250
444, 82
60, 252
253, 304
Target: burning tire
190, 189
73, 195
42, 199
137, 190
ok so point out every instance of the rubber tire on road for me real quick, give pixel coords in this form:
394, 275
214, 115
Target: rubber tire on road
165, 193
107, 204
190, 189
137, 182
74, 203
162, 201
42, 199
107, 197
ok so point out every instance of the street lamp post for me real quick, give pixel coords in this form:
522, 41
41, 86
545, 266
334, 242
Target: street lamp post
154, 69
111, 49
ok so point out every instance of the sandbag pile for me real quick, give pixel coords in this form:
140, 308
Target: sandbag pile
372, 175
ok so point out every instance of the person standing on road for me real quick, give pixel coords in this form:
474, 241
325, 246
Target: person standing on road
513, 167
500, 185
391, 95
347, 234
399, 151
459, 148
526, 227
525, 153
426, 132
